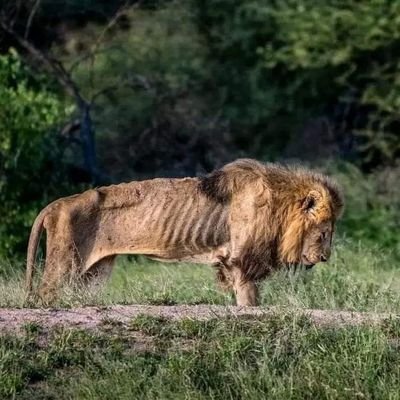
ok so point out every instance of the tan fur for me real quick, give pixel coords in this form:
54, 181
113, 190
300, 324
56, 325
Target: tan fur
247, 219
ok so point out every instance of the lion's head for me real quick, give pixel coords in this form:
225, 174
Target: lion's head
317, 243
310, 221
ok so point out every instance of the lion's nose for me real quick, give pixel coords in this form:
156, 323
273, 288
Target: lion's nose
323, 258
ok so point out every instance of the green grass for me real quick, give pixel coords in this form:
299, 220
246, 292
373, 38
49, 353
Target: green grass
280, 358
357, 278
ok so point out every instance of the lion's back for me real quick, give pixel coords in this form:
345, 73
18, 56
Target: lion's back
168, 215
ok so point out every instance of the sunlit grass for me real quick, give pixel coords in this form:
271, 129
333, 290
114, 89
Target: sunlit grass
282, 357
357, 278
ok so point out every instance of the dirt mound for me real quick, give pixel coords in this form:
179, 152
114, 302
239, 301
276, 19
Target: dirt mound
92, 318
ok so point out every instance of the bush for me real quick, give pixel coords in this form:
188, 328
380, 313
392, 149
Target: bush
28, 113
372, 213
278, 63
262, 70
153, 115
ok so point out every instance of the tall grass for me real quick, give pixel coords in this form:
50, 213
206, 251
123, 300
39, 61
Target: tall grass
284, 357
356, 278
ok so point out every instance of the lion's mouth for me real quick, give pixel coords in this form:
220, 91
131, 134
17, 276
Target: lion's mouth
306, 262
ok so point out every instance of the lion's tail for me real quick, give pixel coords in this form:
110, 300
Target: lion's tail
33, 245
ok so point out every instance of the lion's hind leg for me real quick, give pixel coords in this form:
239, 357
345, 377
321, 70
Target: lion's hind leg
97, 275
63, 257
62, 262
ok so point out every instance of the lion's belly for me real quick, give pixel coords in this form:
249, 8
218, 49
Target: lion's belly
173, 221
207, 257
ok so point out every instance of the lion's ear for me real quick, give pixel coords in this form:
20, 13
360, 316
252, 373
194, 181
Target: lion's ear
310, 202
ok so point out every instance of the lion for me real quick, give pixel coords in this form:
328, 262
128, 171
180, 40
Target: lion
246, 219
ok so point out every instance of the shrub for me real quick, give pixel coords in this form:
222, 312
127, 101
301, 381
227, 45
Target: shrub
372, 211
278, 63
28, 113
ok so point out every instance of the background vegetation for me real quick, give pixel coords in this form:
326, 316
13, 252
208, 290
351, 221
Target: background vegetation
99, 92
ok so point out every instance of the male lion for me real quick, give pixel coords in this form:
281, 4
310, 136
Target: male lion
247, 219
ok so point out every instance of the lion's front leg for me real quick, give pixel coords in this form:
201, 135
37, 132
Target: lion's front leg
232, 278
246, 291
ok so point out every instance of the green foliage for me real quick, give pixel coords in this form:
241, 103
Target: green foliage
372, 213
28, 111
150, 75
172, 80
264, 68
299, 58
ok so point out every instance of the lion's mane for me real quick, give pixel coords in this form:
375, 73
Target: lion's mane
278, 193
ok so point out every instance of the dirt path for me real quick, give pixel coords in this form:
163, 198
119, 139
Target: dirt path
92, 318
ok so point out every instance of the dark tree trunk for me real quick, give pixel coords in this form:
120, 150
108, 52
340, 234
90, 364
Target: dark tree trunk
88, 143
